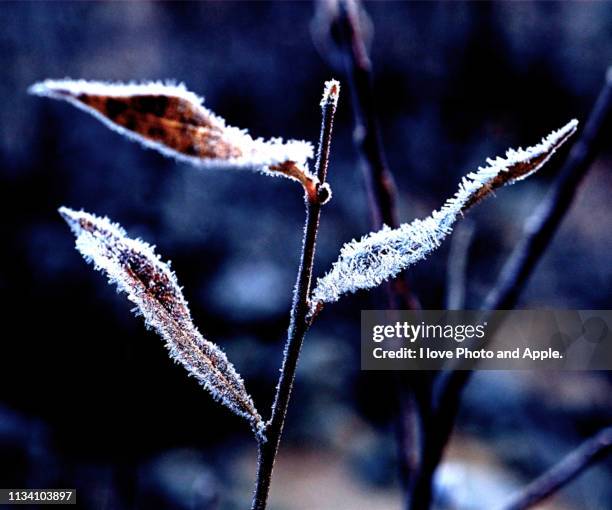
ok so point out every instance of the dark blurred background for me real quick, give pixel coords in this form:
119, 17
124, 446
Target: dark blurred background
90, 400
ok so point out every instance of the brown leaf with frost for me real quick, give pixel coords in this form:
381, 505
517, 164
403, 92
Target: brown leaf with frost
152, 286
173, 121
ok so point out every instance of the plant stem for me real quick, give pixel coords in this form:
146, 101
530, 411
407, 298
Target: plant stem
366, 131
382, 199
589, 452
299, 322
380, 183
457, 265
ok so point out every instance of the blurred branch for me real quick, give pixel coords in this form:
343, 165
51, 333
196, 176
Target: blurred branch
341, 31
366, 132
457, 265
351, 25
299, 322
570, 467
455, 300
540, 228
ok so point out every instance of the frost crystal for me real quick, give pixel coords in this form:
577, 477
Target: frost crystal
170, 119
381, 255
149, 283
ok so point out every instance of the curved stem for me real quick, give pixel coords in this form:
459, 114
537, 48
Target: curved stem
299, 322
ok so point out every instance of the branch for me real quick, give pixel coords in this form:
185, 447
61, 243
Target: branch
345, 21
457, 266
569, 468
299, 322
539, 231
348, 22
366, 132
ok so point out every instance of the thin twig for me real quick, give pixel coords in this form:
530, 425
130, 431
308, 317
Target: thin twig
366, 132
570, 467
382, 197
299, 322
422, 485
457, 265
539, 231
380, 184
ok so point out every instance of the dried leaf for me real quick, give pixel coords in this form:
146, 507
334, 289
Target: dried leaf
172, 120
381, 255
152, 286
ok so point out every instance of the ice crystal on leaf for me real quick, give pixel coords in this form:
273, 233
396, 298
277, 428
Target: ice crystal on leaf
170, 119
134, 267
381, 255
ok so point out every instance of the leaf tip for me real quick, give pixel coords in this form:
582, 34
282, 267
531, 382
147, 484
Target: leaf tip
38, 89
54, 89
558, 137
70, 217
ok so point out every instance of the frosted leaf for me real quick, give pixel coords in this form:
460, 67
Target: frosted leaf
381, 255
173, 121
134, 267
